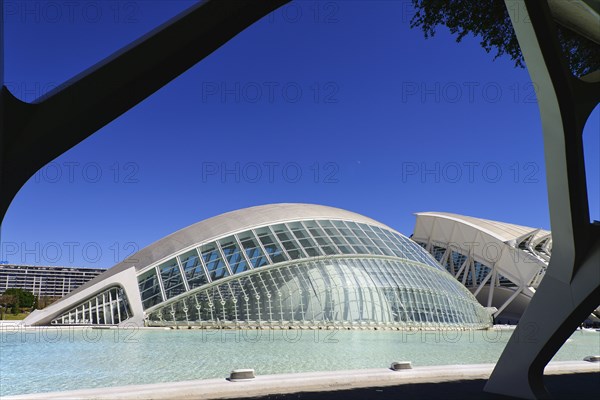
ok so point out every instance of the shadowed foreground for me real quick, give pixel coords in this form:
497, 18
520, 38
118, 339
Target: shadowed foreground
571, 386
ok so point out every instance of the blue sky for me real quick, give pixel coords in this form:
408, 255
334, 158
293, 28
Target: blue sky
333, 102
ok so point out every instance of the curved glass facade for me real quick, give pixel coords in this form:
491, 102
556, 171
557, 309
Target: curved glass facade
107, 308
305, 273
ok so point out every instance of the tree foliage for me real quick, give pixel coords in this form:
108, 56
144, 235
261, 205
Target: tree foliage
7, 300
21, 297
16, 308
489, 21
45, 301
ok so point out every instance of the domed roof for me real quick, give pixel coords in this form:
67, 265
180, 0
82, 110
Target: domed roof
226, 224
238, 221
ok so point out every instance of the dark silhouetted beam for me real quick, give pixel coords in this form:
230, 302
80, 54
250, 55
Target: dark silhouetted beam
570, 290
33, 134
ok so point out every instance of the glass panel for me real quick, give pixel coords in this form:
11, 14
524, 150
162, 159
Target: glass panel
270, 245
378, 242
364, 239
287, 240
336, 237
350, 237
321, 238
233, 254
252, 249
314, 229
149, 289
171, 278
192, 268
398, 246
308, 244
214, 263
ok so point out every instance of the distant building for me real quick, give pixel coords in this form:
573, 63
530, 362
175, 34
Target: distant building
45, 281
502, 264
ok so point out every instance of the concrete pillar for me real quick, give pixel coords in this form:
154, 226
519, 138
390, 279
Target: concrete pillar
570, 290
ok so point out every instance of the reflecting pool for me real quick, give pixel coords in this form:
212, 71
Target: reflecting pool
53, 359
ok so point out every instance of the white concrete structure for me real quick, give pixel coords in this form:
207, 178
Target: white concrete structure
280, 265
501, 263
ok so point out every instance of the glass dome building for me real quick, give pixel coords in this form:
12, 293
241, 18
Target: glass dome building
280, 265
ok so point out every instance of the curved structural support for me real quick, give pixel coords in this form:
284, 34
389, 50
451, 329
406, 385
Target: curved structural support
571, 288
33, 134
83, 301
501, 263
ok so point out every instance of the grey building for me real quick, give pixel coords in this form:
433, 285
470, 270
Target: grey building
45, 281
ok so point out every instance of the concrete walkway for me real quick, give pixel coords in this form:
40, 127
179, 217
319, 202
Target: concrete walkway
276, 386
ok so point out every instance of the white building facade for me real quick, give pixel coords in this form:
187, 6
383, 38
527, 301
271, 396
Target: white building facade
282, 265
501, 264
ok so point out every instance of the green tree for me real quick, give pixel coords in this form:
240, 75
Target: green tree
45, 301
6, 301
489, 21
15, 307
23, 297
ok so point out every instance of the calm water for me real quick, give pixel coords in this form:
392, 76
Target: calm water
51, 360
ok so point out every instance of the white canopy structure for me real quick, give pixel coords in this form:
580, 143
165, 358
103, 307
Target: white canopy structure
501, 263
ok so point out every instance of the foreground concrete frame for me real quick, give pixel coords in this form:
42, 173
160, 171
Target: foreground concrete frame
571, 288
33, 134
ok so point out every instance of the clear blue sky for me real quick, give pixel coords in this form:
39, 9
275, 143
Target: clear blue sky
334, 102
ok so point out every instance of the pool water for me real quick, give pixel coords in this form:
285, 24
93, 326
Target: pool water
52, 359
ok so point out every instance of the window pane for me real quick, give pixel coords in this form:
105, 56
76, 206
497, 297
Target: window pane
214, 263
252, 249
364, 239
270, 245
234, 256
307, 243
321, 238
171, 278
378, 242
149, 289
192, 268
287, 240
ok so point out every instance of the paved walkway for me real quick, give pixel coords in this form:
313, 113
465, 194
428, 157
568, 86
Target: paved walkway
445, 382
